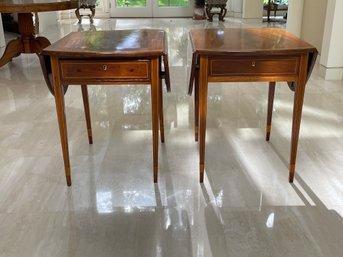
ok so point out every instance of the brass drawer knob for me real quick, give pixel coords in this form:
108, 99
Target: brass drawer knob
253, 64
104, 67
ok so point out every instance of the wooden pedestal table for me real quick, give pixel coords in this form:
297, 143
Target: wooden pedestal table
27, 42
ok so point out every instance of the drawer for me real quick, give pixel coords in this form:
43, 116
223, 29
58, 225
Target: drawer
253, 66
112, 70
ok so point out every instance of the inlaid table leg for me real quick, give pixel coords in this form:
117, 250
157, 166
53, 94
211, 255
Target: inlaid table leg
60, 110
160, 111
271, 93
297, 111
203, 82
154, 110
196, 105
160, 104
87, 112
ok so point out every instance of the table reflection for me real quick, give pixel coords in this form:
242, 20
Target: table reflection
137, 221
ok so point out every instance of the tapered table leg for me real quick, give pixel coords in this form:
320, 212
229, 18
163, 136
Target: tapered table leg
154, 110
203, 83
297, 111
60, 110
271, 93
87, 112
160, 102
196, 105
160, 110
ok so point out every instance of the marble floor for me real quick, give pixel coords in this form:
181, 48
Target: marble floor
246, 207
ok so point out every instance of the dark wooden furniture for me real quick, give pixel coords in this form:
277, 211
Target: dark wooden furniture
28, 42
274, 6
86, 4
110, 57
245, 55
219, 6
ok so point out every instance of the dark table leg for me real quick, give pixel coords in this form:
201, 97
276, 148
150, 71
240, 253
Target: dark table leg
160, 103
271, 93
268, 11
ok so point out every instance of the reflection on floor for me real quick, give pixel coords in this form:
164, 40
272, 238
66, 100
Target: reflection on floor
246, 206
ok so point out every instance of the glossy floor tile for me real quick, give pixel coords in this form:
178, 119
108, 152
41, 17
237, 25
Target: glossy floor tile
246, 207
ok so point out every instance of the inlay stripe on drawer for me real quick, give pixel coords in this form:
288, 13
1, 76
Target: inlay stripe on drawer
248, 66
105, 69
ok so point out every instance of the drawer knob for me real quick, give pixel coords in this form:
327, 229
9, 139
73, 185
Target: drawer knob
104, 67
253, 64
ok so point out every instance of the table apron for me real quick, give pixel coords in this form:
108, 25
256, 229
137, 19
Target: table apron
253, 65
253, 68
105, 71
250, 78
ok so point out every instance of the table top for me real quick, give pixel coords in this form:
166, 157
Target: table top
233, 41
27, 6
110, 44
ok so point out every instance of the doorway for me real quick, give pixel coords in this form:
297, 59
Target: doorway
151, 8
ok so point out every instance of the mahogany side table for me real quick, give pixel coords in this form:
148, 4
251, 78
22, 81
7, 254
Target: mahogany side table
246, 55
111, 58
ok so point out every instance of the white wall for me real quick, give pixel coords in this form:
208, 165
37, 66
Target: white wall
252, 9
106, 5
46, 20
312, 29
234, 8
2, 37
294, 16
320, 22
331, 61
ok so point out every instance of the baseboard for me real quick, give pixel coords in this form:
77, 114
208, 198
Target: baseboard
331, 73
234, 14
252, 20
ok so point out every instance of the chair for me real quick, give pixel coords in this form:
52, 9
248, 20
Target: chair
220, 5
90, 4
274, 5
